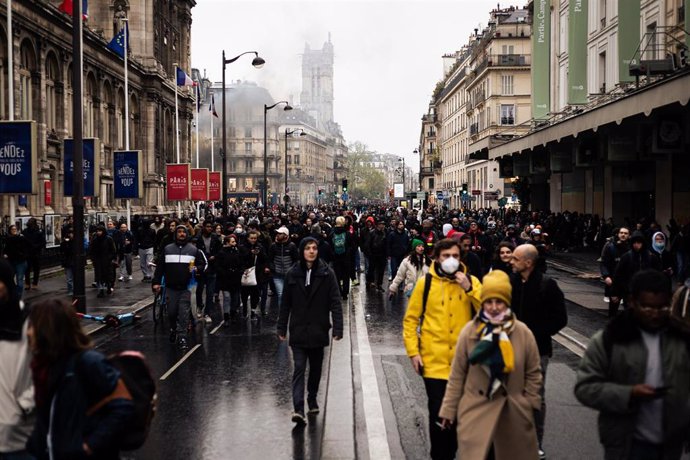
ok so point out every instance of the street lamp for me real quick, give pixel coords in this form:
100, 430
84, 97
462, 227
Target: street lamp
288, 132
266, 109
419, 185
403, 174
257, 62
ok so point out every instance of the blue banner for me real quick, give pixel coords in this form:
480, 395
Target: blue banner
128, 178
91, 169
18, 157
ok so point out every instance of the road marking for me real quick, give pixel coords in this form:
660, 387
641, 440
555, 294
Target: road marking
373, 410
572, 340
217, 327
179, 363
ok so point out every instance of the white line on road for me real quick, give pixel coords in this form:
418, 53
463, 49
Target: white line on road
217, 327
179, 363
572, 340
373, 410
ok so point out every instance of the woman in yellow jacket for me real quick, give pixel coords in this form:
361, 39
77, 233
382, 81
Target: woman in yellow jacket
431, 331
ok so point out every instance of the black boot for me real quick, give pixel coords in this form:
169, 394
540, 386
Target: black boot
101, 293
226, 319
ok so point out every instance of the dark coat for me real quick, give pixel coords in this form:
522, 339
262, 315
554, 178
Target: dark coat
17, 249
376, 244
258, 259
632, 262
216, 246
398, 244
540, 304
229, 268
308, 310
36, 238
474, 264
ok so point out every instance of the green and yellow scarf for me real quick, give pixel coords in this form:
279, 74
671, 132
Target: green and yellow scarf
494, 350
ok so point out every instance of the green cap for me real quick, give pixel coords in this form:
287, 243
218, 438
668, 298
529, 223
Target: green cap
416, 242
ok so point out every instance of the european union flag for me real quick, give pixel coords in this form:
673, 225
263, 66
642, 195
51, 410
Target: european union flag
117, 44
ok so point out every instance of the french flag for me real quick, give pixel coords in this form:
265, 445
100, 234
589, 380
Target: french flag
183, 79
67, 6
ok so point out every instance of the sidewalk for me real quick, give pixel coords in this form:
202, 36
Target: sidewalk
128, 297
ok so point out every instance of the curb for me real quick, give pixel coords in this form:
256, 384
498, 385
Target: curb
134, 308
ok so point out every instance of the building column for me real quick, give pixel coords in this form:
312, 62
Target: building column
555, 190
663, 193
608, 192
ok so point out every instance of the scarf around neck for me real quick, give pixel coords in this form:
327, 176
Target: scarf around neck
494, 350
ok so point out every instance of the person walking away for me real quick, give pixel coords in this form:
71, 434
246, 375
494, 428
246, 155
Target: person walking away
209, 243
412, 268
540, 304
37, 240
611, 254
229, 276
67, 257
397, 246
311, 300
342, 244
253, 255
364, 235
494, 382
377, 256
636, 373
16, 389
451, 299
69, 379
145, 241
638, 258
17, 249
282, 256
102, 253
124, 243
179, 261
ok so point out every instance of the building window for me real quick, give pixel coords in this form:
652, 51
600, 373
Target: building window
248, 132
25, 93
289, 159
602, 72
507, 85
248, 148
249, 183
602, 13
507, 114
651, 50
248, 165
233, 184
296, 159
232, 148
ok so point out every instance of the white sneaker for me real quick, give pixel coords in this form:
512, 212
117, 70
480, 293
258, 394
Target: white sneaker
122, 278
542, 454
207, 319
129, 278
606, 299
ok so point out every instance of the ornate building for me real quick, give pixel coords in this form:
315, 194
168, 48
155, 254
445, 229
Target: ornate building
159, 39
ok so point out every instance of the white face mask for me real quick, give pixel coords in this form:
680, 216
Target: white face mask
450, 265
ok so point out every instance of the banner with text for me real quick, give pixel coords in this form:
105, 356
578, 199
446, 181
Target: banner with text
628, 37
214, 186
92, 149
541, 54
577, 52
200, 184
178, 181
18, 149
129, 182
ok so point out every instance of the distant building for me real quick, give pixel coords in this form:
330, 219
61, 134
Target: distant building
316, 97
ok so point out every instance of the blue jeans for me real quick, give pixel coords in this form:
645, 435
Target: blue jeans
231, 301
19, 272
279, 284
69, 277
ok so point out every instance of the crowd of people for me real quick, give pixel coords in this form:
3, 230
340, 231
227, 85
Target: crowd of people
480, 315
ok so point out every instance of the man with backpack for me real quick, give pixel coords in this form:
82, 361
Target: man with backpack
636, 373
540, 304
342, 245
441, 304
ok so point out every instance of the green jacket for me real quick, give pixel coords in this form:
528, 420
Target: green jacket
615, 360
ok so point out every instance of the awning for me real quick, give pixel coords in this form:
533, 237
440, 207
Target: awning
670, 91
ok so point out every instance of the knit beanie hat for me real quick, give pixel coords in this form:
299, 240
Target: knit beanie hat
446, 229
496, 285
417, 242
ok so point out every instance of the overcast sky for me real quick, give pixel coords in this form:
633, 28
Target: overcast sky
387, 55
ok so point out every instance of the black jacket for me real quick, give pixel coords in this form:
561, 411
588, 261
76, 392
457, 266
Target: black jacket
229, 269
632, 262
37, 239
145, 235
174, 263
281, 258
17, 248
398, 244
309, 309
610, 256
376, 244
540, 304
216, 246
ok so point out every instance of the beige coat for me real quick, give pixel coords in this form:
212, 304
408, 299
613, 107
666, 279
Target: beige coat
506, 419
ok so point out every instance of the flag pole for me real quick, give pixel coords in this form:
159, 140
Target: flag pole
126, 29
212, 103
177, 136
196, 106
10, 93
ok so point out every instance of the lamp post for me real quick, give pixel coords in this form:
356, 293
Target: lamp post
419, 177
257, 62
265, 186
289, 132
403, 174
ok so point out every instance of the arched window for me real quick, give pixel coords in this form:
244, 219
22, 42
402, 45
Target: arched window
90, 107
27, 65
108, 111
53, 78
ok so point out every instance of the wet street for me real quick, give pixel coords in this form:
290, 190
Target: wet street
229, 396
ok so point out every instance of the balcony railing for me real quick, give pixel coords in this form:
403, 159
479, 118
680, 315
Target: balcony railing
431, 134
509, 60
507, 120
474, 129
426, 171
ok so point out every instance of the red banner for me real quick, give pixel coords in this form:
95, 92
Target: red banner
178, 181
47, 192
214, 186
200, 184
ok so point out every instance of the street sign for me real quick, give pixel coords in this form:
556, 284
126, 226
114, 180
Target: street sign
344, 197
502, 201
476, 192
421, 195
439, 195
398, 191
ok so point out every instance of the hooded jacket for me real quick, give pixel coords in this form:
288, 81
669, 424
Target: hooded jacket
664, 255
175, 261
448, 309
632, 262
311, 299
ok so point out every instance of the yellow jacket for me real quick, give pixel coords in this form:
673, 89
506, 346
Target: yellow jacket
448, 309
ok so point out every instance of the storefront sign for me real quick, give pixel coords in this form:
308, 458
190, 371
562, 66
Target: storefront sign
577, 52
628, 37
129, 182
91, 162
214, 186
18, 160
541, 64
200, 184
178, 181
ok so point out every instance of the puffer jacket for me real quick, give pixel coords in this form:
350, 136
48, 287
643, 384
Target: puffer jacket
615, 360
407, 273
448, 309
281, 258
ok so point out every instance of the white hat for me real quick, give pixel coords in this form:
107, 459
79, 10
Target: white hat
446, 229
284, 230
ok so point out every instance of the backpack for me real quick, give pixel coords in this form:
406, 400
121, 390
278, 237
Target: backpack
425, 298
136, 374
339, 240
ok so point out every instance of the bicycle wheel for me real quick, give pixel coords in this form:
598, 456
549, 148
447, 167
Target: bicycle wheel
157, 306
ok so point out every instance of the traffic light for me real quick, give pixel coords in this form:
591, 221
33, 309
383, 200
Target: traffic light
464, 189
344, 185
